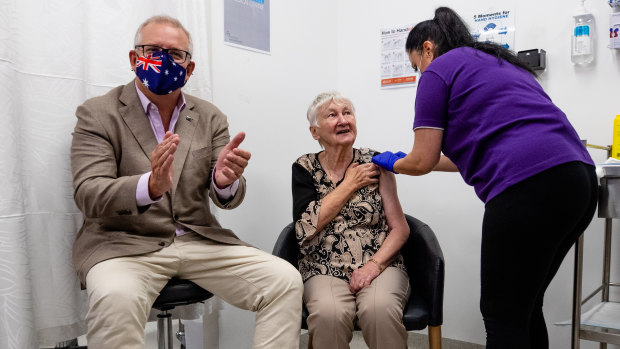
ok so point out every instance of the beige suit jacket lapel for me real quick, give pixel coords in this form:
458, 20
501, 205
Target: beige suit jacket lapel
185, 128
132, 112
140, 127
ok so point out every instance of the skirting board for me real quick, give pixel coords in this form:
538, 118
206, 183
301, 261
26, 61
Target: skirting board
415, 340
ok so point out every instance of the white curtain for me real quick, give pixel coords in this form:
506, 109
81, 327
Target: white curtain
54, 54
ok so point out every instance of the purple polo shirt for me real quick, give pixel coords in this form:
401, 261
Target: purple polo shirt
500, 127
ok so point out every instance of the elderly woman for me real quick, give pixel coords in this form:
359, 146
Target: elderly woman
350, 228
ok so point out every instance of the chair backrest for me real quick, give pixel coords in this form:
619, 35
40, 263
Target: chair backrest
286, 246
425, 266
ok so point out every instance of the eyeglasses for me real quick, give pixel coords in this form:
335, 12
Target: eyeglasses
179, 56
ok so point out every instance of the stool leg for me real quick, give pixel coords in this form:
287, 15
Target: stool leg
181, 334
169, 330
164, 330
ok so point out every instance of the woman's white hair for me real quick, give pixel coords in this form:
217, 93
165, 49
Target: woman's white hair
163, 19
321, 100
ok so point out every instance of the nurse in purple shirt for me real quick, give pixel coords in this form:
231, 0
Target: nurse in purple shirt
483, 108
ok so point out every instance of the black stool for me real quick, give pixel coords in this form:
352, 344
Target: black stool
176, 292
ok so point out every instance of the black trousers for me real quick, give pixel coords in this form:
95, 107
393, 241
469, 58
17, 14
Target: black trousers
527, 231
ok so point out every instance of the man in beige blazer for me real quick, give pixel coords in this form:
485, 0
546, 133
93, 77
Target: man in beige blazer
145, 162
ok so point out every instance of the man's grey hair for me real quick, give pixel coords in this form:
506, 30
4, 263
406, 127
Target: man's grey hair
163, 19
321, 100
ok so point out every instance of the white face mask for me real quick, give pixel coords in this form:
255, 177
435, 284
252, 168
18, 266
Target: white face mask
419, 64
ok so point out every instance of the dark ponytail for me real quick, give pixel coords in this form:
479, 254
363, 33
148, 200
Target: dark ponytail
448, 31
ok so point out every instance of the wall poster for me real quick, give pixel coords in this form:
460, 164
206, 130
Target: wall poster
396, 70
494, 25
247, 25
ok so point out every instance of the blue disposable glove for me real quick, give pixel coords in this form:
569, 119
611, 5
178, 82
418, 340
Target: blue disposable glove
387, 159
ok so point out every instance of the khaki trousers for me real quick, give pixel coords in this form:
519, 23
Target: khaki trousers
122, 290
377, 309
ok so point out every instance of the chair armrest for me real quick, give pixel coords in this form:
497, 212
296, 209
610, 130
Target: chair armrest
286, 247
425, 267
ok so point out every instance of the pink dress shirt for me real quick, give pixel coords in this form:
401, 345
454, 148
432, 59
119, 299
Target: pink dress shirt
142, 190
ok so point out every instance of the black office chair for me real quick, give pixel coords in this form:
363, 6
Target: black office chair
425, 267
176, 292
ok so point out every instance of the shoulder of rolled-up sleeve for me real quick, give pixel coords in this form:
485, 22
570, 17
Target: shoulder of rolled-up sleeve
431, 102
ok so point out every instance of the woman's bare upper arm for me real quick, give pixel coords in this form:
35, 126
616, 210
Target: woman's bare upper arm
389, 195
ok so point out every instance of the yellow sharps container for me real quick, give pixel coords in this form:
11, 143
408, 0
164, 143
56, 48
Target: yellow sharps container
615, 144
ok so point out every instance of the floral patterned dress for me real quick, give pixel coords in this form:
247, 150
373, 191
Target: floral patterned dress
352, 237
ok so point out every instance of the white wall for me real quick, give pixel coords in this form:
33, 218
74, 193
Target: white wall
323, 45
266, 96
443, 200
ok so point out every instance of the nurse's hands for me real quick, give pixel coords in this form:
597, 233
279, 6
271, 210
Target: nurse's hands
387, 159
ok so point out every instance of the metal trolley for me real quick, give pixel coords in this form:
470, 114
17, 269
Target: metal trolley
609, 208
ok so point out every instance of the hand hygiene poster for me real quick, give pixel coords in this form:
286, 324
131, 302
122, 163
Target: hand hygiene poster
492, 25
396, 70
246, 24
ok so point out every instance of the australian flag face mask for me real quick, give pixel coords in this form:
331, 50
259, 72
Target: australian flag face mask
159, 73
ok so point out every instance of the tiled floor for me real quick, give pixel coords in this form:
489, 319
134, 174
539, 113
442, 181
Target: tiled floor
416, 340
